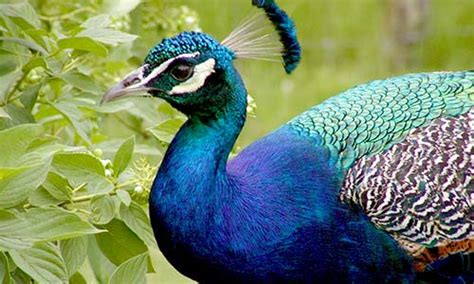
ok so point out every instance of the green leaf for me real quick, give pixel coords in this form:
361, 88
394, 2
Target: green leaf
8, 63
6, 83
3, 113
7, 243
131, 271
147, 110
137, 220
19, 276
99, 21
77, 278
8, 172
119, 243
74, 252
82, 82
29, 96
4, 269
107, 36
43, 262
18, 114
74, 116
44, 224
15, 141
124, 155
124, 197
24, 11
41, 197
166, 130
34, 63
99, 264
39, 36
82, 167
26, 43
58, 186
83, 43
103, 209
114, 106
78, 163
110, 147
16, 189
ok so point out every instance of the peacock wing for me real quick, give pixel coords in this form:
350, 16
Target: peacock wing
406, 147
421, 191
370, 118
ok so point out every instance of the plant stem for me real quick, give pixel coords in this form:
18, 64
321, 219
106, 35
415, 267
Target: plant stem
75, 200
85, 198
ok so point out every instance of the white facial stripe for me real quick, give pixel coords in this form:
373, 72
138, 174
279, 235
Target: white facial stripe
158, 70
201, 72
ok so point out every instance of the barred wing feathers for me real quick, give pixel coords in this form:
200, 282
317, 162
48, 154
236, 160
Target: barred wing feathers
406, 147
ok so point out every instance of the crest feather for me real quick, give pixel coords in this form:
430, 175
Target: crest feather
266, 36
255, 38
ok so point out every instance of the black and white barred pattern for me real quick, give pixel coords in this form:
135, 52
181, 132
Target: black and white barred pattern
421, 190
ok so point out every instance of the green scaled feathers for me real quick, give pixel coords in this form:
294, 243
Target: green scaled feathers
370, 118
286, 30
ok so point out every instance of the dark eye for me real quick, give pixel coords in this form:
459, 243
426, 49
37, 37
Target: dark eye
182, 72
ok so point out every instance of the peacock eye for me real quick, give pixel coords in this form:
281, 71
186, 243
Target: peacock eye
182, 72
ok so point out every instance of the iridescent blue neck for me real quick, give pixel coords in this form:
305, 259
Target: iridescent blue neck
206, 140
194, 166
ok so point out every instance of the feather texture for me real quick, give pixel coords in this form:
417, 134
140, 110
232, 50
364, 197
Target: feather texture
421, 190
286, 30
255, 38
372, 117
266, 36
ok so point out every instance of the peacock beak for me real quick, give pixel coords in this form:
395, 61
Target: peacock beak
132, 84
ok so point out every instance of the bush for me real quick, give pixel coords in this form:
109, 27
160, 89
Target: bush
73, 191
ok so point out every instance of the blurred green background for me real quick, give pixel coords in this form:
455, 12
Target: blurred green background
345, 43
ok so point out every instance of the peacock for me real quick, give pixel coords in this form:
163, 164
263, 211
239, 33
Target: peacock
373, 185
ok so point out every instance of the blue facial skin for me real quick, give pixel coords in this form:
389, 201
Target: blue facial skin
271, 214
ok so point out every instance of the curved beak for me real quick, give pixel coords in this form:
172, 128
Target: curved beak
132, 84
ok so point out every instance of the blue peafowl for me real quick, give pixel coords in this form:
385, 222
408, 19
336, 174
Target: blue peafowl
374, 185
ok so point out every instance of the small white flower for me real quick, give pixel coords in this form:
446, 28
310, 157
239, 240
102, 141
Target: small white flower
108, 173
106, 163
190, 20
138, 189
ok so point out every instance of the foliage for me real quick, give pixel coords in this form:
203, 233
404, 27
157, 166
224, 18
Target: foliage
72, 193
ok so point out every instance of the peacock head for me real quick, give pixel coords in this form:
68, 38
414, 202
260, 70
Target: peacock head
190, 69
183, 70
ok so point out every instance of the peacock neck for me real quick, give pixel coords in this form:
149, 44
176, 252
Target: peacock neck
203, 144
196, 159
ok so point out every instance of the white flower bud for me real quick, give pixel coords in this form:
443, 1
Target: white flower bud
138, 189
106, 163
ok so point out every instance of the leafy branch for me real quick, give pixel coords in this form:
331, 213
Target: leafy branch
73, 187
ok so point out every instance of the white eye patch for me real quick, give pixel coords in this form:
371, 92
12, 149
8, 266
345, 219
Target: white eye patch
201, 72
158, 70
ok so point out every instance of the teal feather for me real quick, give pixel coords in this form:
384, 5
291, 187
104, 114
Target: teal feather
381, 113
